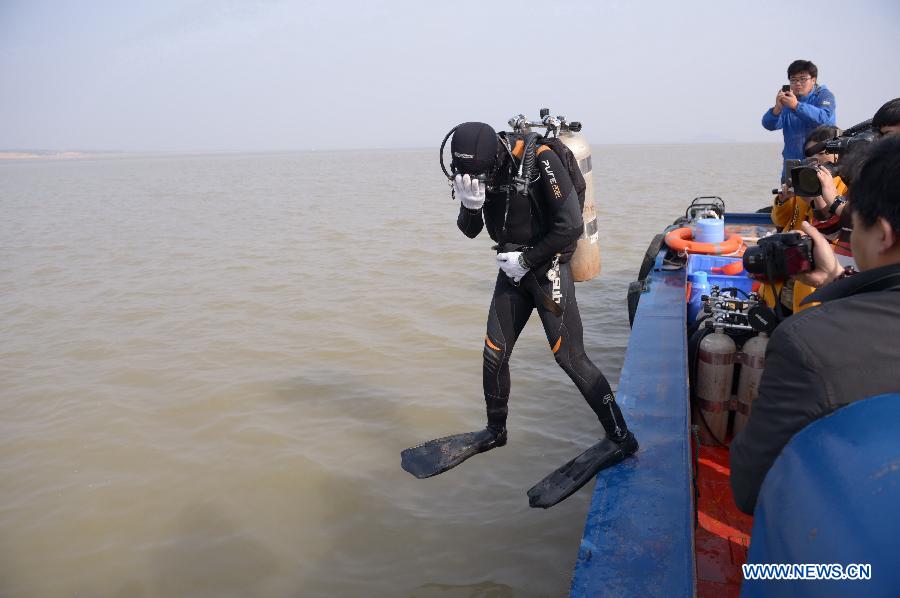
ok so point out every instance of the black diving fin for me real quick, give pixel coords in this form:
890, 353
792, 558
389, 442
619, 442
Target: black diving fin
566, 480
439, 455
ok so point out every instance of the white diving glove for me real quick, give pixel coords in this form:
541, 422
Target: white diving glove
511, 264
469, 191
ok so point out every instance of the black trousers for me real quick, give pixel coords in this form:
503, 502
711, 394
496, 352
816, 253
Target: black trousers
510, 309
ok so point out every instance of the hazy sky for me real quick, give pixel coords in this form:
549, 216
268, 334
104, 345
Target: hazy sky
270, 75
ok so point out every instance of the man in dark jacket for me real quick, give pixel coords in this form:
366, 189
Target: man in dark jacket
847, 348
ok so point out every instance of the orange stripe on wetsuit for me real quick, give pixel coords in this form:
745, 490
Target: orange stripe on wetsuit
518, 148
557, 345
488, 342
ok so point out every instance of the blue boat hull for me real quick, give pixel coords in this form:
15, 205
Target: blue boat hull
639, 535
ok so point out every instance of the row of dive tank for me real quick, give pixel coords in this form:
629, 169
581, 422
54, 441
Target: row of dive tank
726, 351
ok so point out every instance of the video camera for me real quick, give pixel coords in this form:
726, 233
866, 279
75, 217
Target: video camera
846, 141
842, 145
802, 173
780, 256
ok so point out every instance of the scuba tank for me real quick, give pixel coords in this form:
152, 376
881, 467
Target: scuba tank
752, 364
585, 262
715, 373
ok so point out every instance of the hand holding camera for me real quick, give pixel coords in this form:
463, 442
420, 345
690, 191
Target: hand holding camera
781, 256
826, 267
779, 99
828, 188
788, 98
809, 176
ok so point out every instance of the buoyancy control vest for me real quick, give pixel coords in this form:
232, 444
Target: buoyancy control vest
509, 185
513, 213
585, 260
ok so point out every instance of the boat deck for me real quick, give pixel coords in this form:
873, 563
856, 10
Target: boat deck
722, 536
639, 534
639, 537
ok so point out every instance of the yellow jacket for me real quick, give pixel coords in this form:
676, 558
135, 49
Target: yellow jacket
788, 217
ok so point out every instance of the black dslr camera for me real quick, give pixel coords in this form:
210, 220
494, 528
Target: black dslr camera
778, 257
804, 178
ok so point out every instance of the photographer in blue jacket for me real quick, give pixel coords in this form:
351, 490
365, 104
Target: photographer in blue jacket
799, 108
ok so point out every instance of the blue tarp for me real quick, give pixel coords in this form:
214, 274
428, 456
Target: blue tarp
832, 498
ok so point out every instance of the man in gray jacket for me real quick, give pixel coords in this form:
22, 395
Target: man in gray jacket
847, 348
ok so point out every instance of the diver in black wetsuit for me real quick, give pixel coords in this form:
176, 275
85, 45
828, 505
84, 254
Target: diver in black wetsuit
536, 226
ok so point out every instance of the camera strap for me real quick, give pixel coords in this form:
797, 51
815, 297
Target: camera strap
852, 285
889, 282
779, 309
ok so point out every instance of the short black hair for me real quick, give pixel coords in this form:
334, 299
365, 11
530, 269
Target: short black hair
888, 115
875, 188
801, 66
822, 133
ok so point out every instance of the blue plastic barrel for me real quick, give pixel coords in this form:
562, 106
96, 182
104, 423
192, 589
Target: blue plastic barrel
709, 230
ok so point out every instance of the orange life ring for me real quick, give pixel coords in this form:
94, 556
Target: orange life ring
680, 240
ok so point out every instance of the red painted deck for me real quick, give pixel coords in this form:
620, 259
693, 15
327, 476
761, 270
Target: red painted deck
723, 534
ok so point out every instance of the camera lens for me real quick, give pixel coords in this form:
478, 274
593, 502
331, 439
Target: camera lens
754, 260
808, 181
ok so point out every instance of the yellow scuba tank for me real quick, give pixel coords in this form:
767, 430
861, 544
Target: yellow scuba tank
715, 372
585, 262
753, 362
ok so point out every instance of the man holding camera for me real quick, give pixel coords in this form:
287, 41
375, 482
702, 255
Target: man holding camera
799, 108
845, 350
790, 209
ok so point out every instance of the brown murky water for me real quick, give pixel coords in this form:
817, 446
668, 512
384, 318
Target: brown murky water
210, 364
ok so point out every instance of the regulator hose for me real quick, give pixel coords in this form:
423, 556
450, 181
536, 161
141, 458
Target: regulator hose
443, 143
529, 157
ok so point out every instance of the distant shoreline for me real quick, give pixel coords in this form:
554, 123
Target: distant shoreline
50, 155
42, 155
